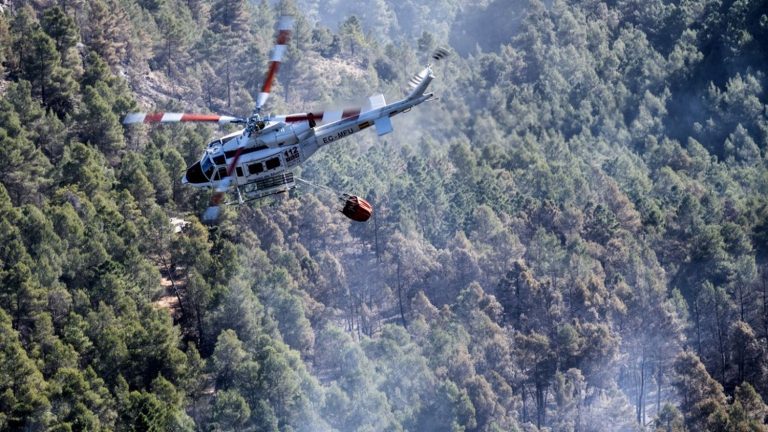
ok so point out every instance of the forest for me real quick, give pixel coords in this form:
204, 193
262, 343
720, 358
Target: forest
574, 237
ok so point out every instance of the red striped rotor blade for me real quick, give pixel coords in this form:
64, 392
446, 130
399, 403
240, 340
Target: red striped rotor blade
211, 214
164, 117
284, 28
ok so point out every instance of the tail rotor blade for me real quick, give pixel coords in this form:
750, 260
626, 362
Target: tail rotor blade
439, 54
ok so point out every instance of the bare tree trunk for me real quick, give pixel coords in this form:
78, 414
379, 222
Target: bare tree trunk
639, 407
720, 338
400, 294
659, 376
697, 314
168, 49
541, 407
229, 85
43, 75
200, 329
525, 405
765, 304
376, 234
358, 314
173, 282
579, 405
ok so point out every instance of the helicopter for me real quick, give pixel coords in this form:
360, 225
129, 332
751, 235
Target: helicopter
257, 161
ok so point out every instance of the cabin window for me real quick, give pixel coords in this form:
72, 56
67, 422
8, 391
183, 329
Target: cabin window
239, 171
222, 173
219, 160
273, 163
255, 168
228, 139
207, 167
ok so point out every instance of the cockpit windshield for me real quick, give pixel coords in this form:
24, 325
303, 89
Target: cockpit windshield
207, 166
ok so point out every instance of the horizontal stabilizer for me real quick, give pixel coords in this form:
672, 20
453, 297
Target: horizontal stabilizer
383, 125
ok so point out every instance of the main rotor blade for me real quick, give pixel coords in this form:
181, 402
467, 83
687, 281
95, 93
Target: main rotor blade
284, 27
162, 117
211, 214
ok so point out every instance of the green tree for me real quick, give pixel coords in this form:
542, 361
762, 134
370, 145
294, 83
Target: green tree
703, 402
747, 356
747, 412
22, 387
41, 66
61, 28
106, 30
99, 126
23, 167
228, 356
5, 41
230, 13
79, 402
144, 411
173, 25
83, 166
669, 420
230, 411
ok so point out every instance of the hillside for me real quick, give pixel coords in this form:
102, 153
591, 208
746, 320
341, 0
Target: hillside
573, 238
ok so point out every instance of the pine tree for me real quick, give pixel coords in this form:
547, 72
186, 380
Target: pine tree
104, 31
99, 126
61, 28
703, 401
23, 402
84, 166
5, 42
230, 411
232, 14
748, 411
228, 356
40, 62
174, 31
23, 167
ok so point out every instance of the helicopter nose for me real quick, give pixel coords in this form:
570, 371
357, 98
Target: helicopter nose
194, 175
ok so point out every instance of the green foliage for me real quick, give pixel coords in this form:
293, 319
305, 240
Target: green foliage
586, 200
230, 412
60, 27
99, 125
22, 387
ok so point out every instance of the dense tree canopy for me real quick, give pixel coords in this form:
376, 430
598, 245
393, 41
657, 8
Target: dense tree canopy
574, 238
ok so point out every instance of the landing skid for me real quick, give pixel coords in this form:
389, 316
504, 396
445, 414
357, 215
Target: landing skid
265, 187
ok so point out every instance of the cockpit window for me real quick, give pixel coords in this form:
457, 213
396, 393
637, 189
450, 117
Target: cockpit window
207, 167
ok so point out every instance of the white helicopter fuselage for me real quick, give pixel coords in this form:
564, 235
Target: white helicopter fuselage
262, 159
